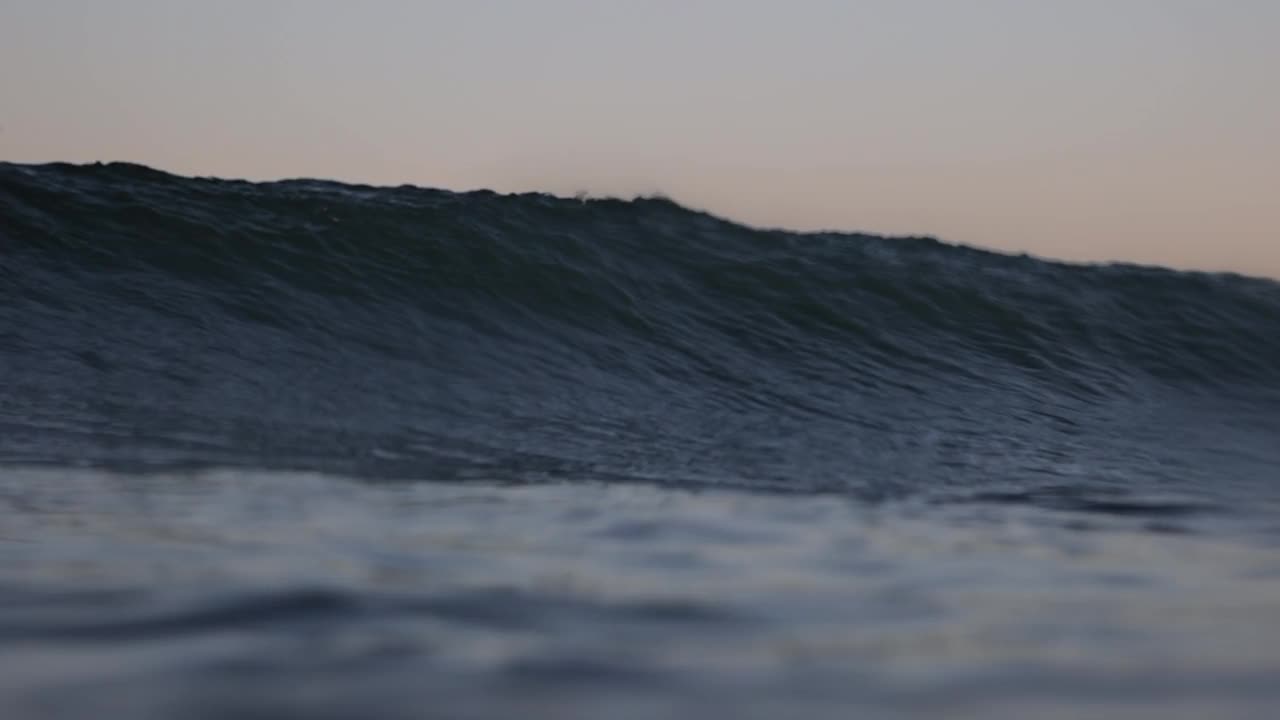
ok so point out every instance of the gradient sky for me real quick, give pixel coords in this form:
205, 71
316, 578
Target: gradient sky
1143, 130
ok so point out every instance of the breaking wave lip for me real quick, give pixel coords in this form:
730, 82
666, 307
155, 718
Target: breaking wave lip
162, 320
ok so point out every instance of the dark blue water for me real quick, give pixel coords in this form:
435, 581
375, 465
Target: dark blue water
319, 450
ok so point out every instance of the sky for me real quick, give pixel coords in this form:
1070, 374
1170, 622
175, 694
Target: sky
1136, 130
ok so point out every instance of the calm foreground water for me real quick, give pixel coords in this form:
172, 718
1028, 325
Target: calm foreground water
245, 594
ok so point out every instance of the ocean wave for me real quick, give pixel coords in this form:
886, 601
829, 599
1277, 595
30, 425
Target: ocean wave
157, 319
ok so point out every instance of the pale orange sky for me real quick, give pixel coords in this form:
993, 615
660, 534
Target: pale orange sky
1142, 130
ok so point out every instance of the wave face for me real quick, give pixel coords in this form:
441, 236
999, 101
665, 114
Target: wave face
149, 320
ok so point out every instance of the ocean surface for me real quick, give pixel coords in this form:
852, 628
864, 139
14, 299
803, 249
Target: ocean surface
306, 449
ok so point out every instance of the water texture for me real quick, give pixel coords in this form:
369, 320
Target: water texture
313, 449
